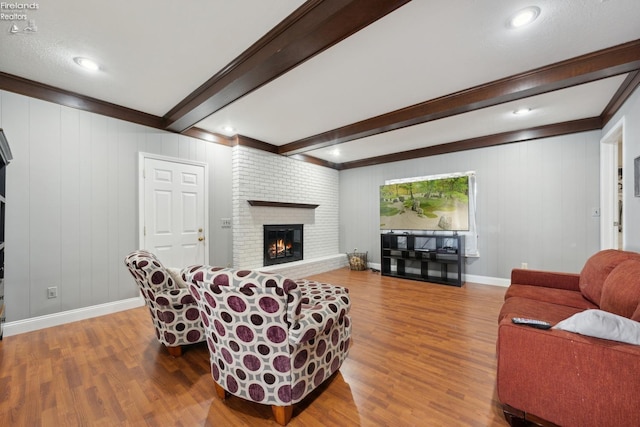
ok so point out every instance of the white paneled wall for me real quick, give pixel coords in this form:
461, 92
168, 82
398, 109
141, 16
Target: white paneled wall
259, 175
534, 202
72, 191
72, 202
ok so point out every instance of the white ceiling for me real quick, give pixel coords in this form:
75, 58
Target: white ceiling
155, 53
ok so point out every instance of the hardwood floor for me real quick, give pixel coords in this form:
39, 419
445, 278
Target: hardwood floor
423, 355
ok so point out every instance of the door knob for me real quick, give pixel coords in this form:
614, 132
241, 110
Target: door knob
200, 239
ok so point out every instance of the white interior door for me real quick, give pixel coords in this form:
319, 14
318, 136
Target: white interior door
174, 210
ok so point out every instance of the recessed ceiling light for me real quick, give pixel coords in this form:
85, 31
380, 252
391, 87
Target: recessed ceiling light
524, 17
86, 63
228, 130
522, 111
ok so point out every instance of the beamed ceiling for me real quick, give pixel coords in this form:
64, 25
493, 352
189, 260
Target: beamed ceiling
343, 84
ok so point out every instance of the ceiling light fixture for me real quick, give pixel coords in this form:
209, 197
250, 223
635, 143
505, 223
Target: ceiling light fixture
86, 63
524, 17
522, 111
228, 130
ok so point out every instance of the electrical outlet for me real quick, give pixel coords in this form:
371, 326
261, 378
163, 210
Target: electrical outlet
52, 292
524, 265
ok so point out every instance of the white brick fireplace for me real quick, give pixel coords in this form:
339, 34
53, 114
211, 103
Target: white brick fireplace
259, 175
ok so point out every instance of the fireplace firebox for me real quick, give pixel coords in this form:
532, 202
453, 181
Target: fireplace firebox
282, 243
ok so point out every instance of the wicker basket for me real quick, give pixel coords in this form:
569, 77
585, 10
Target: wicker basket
357, 260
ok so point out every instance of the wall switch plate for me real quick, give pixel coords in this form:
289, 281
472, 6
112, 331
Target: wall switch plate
524, 265
225, 222
52, 292
595, 212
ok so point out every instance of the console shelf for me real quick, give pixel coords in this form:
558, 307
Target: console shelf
435, 259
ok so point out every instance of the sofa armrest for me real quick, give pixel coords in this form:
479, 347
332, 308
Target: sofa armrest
174, 297
566, 378
549, 279
316, 318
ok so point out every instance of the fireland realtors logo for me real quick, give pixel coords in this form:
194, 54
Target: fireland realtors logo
18, 14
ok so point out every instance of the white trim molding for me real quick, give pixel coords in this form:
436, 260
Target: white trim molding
61, 318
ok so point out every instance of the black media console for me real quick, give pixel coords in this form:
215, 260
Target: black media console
423, 257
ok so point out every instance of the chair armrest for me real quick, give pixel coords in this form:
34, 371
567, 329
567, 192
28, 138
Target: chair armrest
312, 291
174, 297
318, 317
549, 279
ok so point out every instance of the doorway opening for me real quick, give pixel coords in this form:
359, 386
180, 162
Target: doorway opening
611, 194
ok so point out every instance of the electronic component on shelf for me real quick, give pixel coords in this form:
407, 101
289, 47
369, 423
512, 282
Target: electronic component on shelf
447, 250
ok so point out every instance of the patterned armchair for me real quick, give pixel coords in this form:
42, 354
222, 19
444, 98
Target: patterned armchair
272, 340
173, 310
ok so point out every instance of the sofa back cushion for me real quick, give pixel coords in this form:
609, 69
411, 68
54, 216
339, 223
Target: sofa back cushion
597, 269
621, 290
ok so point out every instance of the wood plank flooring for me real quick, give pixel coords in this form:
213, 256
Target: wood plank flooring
423, 355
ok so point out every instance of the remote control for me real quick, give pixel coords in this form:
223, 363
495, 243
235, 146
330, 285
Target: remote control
540, 324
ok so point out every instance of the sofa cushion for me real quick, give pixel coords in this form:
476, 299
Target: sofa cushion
621, 290
602, 324
596, 270
553, 295
532, 309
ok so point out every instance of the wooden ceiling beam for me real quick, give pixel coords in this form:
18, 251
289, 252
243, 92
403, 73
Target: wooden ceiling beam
547, 131
598, 65
314, 27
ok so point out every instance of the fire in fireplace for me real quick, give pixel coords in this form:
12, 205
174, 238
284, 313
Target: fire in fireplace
282, 243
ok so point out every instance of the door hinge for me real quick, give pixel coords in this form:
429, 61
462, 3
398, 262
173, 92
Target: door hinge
144, 230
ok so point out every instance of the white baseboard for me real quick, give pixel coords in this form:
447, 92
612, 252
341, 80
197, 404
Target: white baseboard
483, 280
56, 319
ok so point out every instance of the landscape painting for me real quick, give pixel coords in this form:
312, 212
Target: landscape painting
440, 204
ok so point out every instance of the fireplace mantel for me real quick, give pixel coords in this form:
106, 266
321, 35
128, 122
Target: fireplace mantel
281, 204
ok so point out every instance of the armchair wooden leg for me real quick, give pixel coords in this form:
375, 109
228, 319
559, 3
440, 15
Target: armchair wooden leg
175, 351
282, 414
222, 393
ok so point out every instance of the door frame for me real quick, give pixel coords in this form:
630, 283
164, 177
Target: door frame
609, 186
141, 193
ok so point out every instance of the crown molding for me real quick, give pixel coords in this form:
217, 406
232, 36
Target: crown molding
59, 96
623, 93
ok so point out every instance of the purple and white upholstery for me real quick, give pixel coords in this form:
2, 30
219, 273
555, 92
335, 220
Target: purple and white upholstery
271, 339
174, 312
